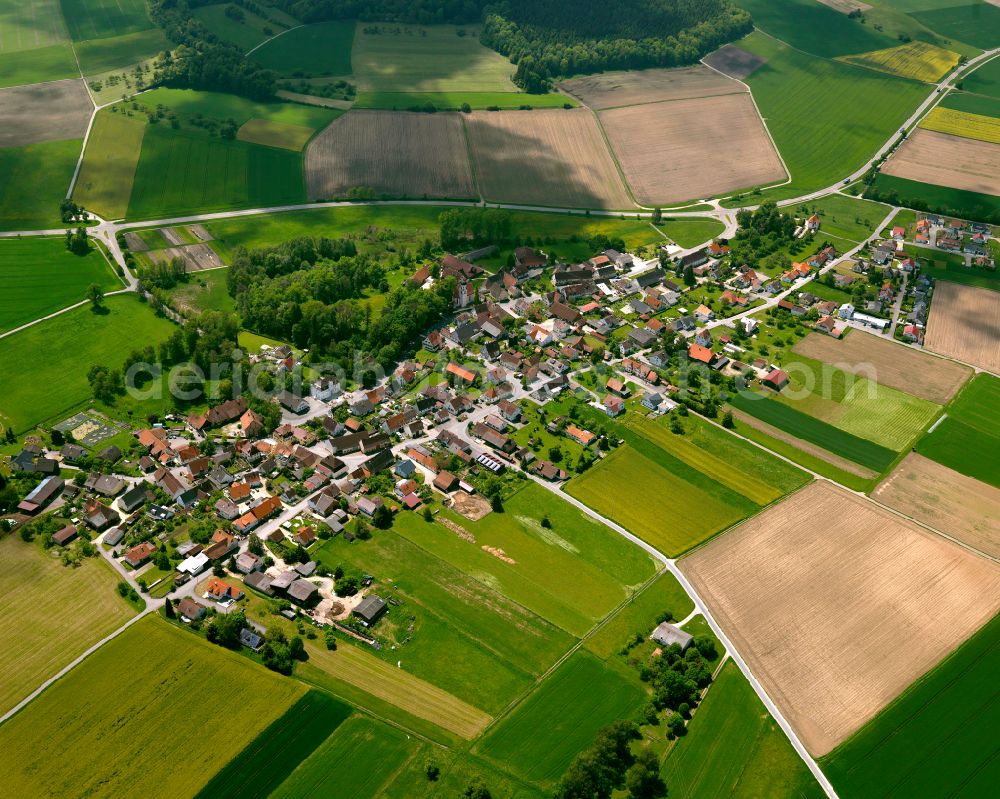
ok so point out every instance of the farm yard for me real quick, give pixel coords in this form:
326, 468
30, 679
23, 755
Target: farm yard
40, 276
916, 60
823, 591
44, 112
390, 154
953, 161
735, 748
636, 87
963, 508
561, 717
962, 123
108, 172
544, 157
38, 635
891, 365
948, 717
965, 324
687, 149
63, 349
172, 676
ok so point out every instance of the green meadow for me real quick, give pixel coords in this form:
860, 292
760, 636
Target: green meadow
943, 199
98, 19
35, 180
30, 24
315, 50
850, 218
40, 276
54, 62
984, 79
62, 351
691, 232
101, 55
104, 184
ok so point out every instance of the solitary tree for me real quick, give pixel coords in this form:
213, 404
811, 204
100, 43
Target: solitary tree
95, 294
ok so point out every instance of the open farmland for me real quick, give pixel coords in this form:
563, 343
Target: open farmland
40, 276
974, 23
942, 498
734, 748
44, 112
394, 685
391, 154
546, 157
335, 767
99, 19
962, 123
965, 204
104, 185
120, 52
171, 678
320, 49
410, 58
275, 134
623, 486
252, 29
860, 110
542, 735
184, 173
30, 24
917, 60
688, 149
890, 364
272, 756
822, 594
734, 62
938, 739
945, 160
37, 66
63, 349
572, 573
985, 79
39, 635
635, 87
35, 180
965, 324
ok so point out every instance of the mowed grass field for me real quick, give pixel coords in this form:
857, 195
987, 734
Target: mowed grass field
272, 756
30, 24
947, 718
40, 276
118, 52
104, 185
411, 58
572, 574
275, 134
691, 232
916, 60
735, 749
984, 79
152, 683
39, 631
353, 763
36, 66
36, 178
63, 349
965, 204
962, 123
185, 173
98, 19
976, 23
496, 647
967, 440
545, 732
849, 218
861, 109
311, 50
246, 34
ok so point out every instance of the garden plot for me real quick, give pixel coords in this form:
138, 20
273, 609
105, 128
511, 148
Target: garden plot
695, 148
945, 160
196, 257
393, 154
965, 324
635, 87
838, 606
41, 112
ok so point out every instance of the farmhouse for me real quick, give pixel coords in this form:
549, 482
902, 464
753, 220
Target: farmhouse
776, 379
42, 495
667, 634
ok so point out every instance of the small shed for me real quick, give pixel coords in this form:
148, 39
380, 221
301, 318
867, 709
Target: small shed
370, 609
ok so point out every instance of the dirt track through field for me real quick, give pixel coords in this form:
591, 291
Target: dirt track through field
688, 149
965, 324
395, 154
942, 498
838, 606
614, 89
902, 368
944, 160
41, 112
549, 157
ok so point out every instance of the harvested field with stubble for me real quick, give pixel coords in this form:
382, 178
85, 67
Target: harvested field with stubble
965, 324
554, 157
891, 364
635, 87
838, 606
945, 160
734, 62
41, 112
942, 498
687, 149
395, 154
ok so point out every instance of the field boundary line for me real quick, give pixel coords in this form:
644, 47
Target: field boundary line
473, 166
286, 30
614, 158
